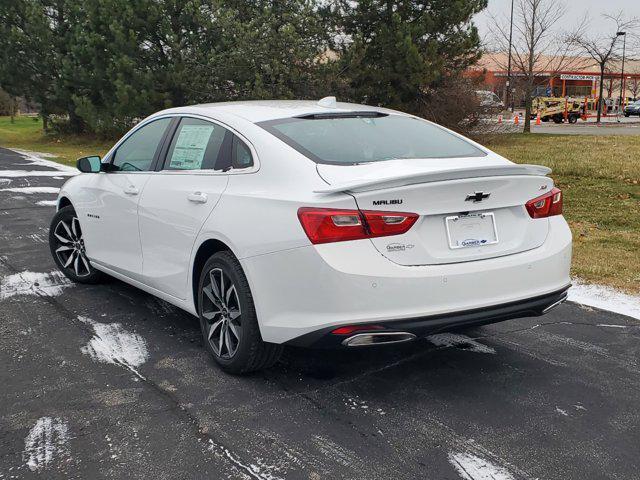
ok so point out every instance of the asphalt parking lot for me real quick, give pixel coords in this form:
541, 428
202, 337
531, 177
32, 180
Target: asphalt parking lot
625, 127
108, 382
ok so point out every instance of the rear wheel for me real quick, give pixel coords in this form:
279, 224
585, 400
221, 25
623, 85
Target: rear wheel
228, 318
67, 248
573, 119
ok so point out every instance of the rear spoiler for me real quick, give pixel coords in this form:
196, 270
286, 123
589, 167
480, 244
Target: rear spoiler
439, 176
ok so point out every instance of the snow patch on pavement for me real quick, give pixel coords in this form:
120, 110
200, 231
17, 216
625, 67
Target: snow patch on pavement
34, 173
472, 467
46, 440
355, 403
605, 298
35, 154
460, 341
113, 344
47, 203
39, 158
30, 190
252, 470
48, 284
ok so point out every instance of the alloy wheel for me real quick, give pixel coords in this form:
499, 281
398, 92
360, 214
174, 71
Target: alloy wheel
70, 248
222, 313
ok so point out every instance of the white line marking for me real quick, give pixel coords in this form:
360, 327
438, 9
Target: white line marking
45, 441
472, 467
47, 203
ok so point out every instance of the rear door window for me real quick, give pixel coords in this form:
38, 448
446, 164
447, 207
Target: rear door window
196, 145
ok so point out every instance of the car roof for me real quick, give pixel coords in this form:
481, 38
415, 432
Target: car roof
263, 110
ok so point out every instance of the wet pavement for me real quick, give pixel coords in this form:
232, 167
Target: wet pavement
106, 381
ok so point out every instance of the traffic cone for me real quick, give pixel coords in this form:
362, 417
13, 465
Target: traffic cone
499, 118
538, 122
516, 119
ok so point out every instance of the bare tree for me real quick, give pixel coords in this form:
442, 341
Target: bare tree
603, 49
633, 85
535, 48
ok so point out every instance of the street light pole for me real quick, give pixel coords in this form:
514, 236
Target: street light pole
624, 47
509, 87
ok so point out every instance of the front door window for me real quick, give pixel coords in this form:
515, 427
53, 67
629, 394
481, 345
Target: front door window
137, 152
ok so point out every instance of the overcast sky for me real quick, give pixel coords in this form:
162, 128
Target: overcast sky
576, 9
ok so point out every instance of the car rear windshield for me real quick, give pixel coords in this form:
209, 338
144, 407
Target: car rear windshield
368, 137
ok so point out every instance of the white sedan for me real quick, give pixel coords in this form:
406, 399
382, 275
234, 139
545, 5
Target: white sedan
314, 224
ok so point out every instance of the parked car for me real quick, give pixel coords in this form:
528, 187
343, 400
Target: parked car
632, 109
489, 101
317, 224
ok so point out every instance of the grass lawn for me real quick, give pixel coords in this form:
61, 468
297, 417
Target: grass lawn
600, 177
26, 134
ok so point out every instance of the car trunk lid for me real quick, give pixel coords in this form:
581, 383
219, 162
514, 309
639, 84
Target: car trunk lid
470, 209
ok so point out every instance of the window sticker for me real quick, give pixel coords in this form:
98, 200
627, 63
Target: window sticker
190, 147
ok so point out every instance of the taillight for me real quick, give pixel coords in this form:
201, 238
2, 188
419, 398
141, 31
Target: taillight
546, 205
326, 225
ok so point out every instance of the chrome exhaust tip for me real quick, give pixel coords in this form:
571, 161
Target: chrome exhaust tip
555, 304
378, 338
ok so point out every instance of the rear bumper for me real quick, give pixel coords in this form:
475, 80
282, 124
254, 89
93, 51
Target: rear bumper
303, 290
429, 325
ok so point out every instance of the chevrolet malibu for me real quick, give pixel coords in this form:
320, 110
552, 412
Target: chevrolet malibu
319, 224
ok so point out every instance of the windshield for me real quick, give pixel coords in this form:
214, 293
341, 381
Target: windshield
368, 137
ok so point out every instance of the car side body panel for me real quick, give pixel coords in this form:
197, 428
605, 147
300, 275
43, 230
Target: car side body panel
169, 223
109, 218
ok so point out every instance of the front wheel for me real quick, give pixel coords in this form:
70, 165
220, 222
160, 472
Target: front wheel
67, 248
228, 318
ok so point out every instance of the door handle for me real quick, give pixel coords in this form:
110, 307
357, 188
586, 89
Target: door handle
131, 190
197, 197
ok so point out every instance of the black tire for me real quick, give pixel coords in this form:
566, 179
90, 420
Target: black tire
557, 119
573, 119
65, 233
221, 331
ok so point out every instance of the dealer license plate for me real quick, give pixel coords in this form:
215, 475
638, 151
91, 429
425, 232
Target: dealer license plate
472, 230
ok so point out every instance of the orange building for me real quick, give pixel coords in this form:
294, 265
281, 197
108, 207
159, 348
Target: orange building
559, 77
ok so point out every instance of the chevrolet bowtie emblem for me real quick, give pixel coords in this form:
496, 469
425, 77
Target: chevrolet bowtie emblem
477, 197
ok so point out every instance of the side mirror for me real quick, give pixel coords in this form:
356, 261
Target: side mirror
89, 164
